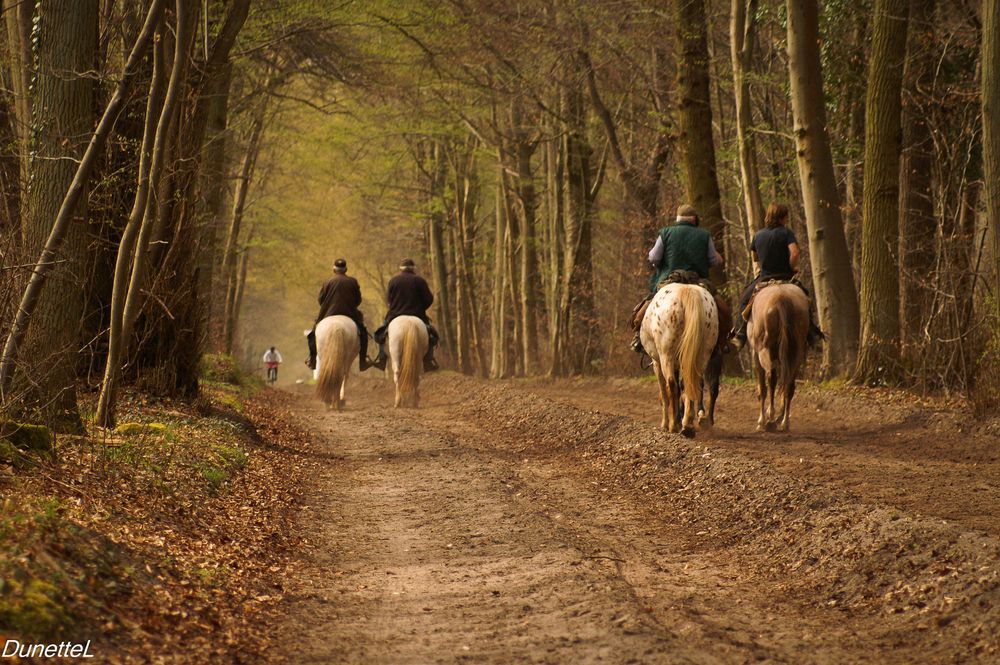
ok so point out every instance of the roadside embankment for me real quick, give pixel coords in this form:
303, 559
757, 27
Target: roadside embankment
163, 539
937, 585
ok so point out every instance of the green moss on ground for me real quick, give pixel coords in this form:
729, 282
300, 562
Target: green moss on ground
141, 429
33, 608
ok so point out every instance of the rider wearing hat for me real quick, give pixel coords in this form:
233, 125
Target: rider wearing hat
341, 295
409, 295
683, 252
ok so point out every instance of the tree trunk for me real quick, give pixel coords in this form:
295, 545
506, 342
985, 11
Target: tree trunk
62, 111
499, 332
577, 323
18, 16
991, 132
695, 120
917, 221
742, 34
878, 355
836, 298
214, 189
523, 149
229, 265
125, 262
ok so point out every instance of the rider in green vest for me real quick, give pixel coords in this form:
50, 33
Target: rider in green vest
683, 252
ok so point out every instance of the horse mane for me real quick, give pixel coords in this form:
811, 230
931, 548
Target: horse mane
691, 341
411, 361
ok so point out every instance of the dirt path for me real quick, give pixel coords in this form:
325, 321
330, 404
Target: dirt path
882, 447
435, 538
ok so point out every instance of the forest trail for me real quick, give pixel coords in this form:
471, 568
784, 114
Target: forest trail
436, 536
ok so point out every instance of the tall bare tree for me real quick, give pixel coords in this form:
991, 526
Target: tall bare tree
836, 298
694, 117
878, 354
991, 130
62, 114
917, 221
742, 35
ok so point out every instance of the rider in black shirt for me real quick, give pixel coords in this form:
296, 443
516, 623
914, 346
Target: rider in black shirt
775, 253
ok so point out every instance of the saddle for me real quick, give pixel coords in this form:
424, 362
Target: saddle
748, 310
674, 277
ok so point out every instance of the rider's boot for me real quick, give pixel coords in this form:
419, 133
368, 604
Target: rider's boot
638, 312
363, 361
311, 341
432, 340
725, 323
636, 343
738, 337
815, 335
380, 360
429, 363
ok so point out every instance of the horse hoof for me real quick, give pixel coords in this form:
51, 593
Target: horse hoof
771, 427
759, 428
688, 432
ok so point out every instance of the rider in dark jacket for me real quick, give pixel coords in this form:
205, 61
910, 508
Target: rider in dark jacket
341, 295
408, 295
775, 254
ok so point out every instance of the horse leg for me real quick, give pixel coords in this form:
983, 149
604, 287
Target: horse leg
690, 411
399, 393
712, 374
672, 405
785, 418
772, 388
661, 384
761, 395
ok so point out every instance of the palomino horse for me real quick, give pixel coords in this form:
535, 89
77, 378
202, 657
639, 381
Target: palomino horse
779, 323
336, 348
407, 342
679, 332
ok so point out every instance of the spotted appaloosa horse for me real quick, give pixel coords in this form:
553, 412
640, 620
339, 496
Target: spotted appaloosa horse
407, 343
337, 346
679, 332
779, 323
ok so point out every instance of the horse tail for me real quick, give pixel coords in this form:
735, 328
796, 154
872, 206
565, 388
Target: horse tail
332, 366
787, 345
410, 361
692, 341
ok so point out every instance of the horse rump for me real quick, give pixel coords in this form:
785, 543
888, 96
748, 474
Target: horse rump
333, 364
410, 363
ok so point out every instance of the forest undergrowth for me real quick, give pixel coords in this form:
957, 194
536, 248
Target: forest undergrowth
167, 535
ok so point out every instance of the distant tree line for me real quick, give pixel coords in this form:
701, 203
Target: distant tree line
543, 144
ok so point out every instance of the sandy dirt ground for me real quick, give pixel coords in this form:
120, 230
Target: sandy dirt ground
550, 523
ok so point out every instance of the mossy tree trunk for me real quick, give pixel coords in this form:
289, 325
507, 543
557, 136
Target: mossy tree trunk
836, 299
63, 91
878, 355
701, 182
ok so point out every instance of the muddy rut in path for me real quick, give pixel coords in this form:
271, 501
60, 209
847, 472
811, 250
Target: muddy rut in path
460, 533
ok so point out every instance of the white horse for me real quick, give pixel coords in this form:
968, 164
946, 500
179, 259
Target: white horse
337, 347
407, 342
679, 331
